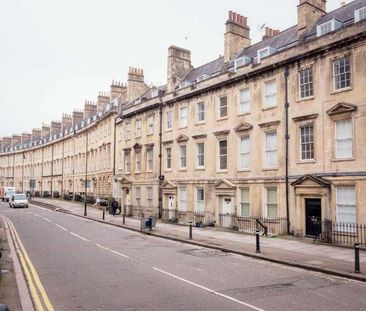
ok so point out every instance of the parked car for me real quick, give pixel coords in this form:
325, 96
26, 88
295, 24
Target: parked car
18, 200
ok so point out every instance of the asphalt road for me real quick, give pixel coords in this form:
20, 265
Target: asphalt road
85, 265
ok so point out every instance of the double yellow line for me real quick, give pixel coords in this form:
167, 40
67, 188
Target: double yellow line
37, 291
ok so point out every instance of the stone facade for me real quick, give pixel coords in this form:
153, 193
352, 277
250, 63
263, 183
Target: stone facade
272, 130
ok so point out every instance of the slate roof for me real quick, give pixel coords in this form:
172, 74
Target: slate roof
285, 39
208, 69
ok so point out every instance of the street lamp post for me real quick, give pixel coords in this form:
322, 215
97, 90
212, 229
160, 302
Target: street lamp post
23, 173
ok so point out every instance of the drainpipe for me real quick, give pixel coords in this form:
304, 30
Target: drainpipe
114, 151
160, 160
287, 138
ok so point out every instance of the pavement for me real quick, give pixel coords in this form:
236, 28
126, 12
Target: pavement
9, 292
301, 253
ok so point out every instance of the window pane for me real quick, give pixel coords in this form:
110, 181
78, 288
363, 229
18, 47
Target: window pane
344, 139
346, 204
245, 101
223, 107
244, 152
341, 73
271, 150
222, 154
200, 154
200, 112
244, 202
183, 156
307, 142
270, 94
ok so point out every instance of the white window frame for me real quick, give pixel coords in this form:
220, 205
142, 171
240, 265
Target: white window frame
138, 160
183, 117
343, 75
220, 107
200, 204
244, 104
259, 52
138, 125
149, 198
309, 145
360, 14
267, 204
222, 155
182, 156
269, 150
198, 155
168, 158
138, 196
344, 202
343, 139
168, 120
242, 202
200, 114
149, 162
127, 161
244, 153
150, 124
268, 95
182, 205
330, 26
305, 83
128, 130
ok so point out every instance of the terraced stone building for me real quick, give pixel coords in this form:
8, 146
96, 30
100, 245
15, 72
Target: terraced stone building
272, 131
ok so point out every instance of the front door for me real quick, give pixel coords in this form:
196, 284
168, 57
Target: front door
171, 206
313, 216
226, 212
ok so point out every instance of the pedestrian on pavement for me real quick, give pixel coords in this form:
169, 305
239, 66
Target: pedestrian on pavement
29, 195
114, 205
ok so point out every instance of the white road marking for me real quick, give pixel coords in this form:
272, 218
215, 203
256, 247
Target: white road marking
62, 227
210, 290
80, 237
29, 213
46, 219
112, 251
37, 215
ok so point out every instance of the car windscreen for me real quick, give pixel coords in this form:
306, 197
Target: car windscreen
20, 197
9, 192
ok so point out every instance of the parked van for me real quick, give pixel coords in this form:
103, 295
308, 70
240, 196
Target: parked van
6, 193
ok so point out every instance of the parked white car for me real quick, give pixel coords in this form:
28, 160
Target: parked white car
18, 200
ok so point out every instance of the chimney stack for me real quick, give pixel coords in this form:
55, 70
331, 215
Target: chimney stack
36, 134
118, 89
269, 32
237, 35
102, 100
26, 137
6, 142
77, 116
55, 127
66, 121
135, 83
179, 62
90, 109
16, 139
45, 131
308, 13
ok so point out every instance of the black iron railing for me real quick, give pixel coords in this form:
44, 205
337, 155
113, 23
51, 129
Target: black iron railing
343, 233
248, 224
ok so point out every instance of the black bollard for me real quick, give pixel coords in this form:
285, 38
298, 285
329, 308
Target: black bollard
357, 258
123, 218
190, 231
257, 243
103, 213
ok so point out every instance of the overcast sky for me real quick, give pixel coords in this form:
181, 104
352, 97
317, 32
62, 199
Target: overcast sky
56, 54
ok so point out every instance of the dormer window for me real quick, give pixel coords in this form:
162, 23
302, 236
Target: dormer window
184, 85
241, 61
327, 27
154, 93
265, 52
202, 77
360, 14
